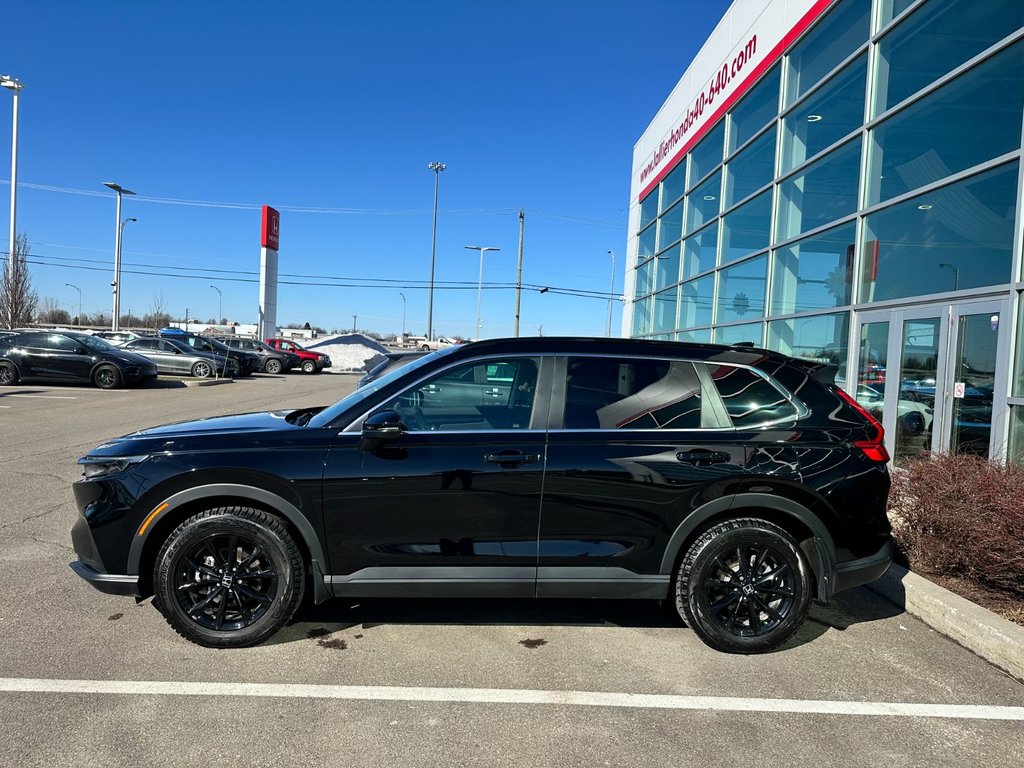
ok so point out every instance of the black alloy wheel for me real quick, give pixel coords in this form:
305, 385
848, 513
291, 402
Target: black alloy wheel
308, 366
273, 365
229, 577
744, 586
8, 374
107, 377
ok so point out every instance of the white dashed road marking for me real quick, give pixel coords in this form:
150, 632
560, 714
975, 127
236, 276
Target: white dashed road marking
46, 397
511, 696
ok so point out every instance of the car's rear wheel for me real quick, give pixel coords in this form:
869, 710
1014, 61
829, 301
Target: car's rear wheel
107, 377
229, 577
273, 365
8, 374
201, 369
743, 586
308, 366
425, 347
913, 423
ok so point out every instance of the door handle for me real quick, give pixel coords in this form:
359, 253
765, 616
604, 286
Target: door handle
701, 456
512, 458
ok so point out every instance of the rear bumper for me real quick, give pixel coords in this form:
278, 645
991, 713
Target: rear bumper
854, 573
110, 583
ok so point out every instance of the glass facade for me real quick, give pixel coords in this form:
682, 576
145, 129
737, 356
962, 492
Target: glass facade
876, 165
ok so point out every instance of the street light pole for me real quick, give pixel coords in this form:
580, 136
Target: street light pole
70, 285
12, 84
611, 291
436, 168
480, 282
956, 275
220, 304
119, 227
403, 313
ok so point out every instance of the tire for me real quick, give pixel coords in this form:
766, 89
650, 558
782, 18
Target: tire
198, 589
913, 423
272, 365
308, 366
201, 369
106, 377
8, 374
743, 611
425, 347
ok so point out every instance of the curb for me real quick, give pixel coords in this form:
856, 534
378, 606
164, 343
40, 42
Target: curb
208, 382
995, 639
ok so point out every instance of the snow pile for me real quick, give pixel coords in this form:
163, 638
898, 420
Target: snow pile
349, 352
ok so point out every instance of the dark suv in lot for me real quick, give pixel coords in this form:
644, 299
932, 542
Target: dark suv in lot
69, 357
736, 483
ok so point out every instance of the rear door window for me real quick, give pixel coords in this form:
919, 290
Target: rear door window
615, 393
750, 399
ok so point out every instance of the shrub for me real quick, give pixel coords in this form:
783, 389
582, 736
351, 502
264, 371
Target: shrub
962, 516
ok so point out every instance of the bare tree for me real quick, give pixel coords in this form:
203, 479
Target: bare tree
17, 299
51, 312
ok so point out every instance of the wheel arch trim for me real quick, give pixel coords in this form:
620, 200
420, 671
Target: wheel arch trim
822, 559
285, 508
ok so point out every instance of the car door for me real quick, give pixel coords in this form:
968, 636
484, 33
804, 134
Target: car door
66, 359
174, 358
451, 506
148, 348
634, 445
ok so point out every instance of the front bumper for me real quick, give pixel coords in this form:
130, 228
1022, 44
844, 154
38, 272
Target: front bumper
854, 573
110, 583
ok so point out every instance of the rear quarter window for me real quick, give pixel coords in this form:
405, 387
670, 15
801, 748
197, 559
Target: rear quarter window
750, 399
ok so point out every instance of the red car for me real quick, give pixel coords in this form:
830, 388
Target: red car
310, 362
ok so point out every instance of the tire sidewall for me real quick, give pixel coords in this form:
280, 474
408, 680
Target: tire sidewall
115, 382
273, 365
308, 366
198, 365
9, 366
190, 533
693, 604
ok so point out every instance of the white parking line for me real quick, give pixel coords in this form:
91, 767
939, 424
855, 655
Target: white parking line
512, 696
46, 397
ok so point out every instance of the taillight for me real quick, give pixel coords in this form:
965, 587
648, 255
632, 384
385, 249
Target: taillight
874, 448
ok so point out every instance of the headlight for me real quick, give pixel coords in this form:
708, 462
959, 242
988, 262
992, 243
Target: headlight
101, 467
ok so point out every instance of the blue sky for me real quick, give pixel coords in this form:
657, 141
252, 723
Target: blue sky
338, 105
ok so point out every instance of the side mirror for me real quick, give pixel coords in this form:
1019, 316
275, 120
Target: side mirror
380, 428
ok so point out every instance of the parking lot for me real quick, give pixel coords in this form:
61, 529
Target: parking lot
91, 679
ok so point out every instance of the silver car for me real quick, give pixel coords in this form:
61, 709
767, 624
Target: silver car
179, 359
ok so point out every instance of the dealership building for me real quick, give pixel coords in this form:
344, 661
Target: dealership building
841, 180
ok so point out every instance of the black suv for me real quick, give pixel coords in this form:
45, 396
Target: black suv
736, 483
74, 358
273, 361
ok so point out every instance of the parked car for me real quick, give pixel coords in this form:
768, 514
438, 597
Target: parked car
248, 363
311, 362
273, 361
391, 361
70, 357
915, 416
738, 484
118, 337
175, 357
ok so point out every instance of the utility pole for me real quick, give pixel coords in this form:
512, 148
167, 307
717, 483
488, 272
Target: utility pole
14, 86
611, 298
436, 168
354, 323
403, 313
519, 273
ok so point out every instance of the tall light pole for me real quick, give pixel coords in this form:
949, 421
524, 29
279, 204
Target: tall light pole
220, 304
14, 86
436, 168
70, 285
119, 227
480, 282
611, 292
403, 313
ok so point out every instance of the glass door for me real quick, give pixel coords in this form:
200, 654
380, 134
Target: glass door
933, 377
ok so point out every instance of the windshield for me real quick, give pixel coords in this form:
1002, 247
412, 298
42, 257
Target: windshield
213, 343
95, 343
328, 415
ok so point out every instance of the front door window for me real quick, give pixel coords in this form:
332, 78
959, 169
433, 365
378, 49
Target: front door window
916, 388
974, 376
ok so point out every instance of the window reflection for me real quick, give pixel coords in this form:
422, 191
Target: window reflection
822, 338
823, 192
756, 108
699, 251
815, 273
835, 37
695, 301
959, 236
751, 169
741, 290
704, 203
747, 229
707, 154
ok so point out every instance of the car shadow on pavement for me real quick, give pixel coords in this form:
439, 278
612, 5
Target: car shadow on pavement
164, 384
849, 608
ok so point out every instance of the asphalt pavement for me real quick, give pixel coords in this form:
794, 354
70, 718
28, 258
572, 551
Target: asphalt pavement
90, 679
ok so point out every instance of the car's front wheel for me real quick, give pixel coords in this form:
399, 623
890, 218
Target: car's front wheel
308, 366
743, 586
107, 377
229, 577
